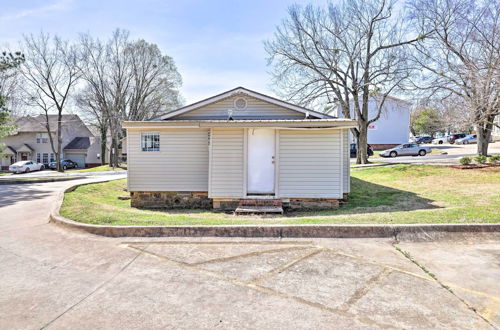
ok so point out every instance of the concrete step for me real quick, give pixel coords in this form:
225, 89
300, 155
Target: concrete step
261, 202
259, 210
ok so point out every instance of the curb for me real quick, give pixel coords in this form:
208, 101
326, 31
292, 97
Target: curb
276, 231
21, 181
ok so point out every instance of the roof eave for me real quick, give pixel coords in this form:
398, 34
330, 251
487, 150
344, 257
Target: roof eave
318, 123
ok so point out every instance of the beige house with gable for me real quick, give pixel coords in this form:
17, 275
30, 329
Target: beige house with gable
239, 149
30, 141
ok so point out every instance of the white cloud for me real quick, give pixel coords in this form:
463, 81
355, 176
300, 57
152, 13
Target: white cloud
56, 6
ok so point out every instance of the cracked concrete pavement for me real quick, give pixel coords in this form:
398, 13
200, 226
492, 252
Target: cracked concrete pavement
58, 279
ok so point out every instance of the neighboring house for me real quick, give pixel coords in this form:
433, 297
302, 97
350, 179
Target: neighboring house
239, 147
393, 126
496, 128
30, 141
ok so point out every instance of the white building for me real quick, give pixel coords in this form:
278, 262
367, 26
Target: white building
393, 126
496, 129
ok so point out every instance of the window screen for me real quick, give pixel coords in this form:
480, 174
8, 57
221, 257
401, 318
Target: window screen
150, 141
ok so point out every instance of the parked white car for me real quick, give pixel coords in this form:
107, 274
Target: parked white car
440, 140
26, 166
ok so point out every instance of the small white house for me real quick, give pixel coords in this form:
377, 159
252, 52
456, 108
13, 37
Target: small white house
393, 126
239, 148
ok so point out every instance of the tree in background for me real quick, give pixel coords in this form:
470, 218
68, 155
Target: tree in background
462, 57
9, 63
426, 121
342, 54
125, 80
50, 73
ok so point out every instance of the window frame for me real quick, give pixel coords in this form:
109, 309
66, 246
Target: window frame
42, 138
149, 143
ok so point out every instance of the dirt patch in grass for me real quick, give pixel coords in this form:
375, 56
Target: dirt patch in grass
392, 194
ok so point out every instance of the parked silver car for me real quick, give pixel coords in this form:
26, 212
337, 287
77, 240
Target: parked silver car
471, 138
407, 149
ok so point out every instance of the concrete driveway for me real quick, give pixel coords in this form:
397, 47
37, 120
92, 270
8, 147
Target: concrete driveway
58, 279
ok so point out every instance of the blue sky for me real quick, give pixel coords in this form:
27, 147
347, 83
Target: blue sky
217, 45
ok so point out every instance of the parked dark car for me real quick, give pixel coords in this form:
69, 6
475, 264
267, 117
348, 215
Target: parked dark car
66, 163
354, 150
453, 137
423, 139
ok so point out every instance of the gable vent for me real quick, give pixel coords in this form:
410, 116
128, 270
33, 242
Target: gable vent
240, 103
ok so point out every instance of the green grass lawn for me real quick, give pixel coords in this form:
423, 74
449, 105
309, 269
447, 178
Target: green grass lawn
391, 194
101, 168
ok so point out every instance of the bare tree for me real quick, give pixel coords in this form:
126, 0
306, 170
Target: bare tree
50, 74
155, 82
125, 80
342, 54
462, 57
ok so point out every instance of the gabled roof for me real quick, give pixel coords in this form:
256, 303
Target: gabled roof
244, 91
9, 151
78, 143
37, 123
25, 148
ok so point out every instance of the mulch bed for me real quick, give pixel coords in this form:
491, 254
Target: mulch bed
474, 166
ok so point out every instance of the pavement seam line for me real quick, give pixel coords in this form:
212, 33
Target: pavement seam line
333, 310
248, 255
93, 291
378, 264
262, 289
361, 292
408, 256
286, 266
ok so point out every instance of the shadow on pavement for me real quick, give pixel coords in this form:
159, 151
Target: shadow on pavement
12, 194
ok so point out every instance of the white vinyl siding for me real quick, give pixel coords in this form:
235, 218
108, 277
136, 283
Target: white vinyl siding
180, 165
347, 161
255, 109
227, 163
310, 164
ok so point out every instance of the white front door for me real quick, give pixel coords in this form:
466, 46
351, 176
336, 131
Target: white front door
261, 152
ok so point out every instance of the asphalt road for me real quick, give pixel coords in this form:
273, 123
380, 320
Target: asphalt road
58, 279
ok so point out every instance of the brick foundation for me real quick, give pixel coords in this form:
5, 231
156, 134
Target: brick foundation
225, 204
200, 200
170, 200
303, 204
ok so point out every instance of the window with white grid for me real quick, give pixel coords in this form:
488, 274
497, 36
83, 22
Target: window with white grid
45, 158
38, 157
150, 141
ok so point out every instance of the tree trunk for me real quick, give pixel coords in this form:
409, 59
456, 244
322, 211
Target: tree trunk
362, 143
104, 135
483, 138
59, 143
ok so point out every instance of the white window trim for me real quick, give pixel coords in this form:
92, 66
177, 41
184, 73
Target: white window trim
151, 135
